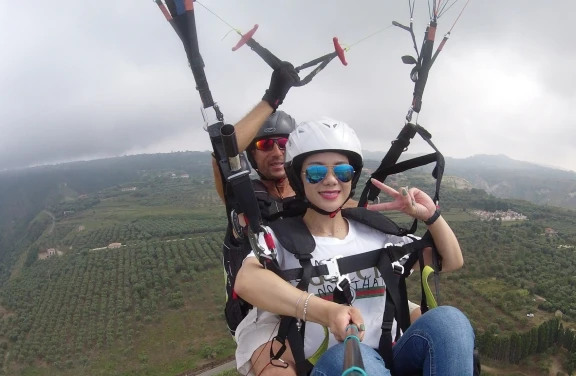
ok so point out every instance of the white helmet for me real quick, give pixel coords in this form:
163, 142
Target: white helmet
326, 134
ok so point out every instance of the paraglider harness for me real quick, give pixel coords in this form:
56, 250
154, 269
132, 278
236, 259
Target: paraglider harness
240, 192
295, 237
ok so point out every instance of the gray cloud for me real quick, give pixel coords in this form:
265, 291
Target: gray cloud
94, 79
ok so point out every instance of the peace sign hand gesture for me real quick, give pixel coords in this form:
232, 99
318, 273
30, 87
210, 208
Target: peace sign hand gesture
413, 201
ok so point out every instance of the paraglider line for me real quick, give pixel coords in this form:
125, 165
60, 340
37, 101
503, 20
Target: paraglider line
462, 11
346, 49
444, 9
369, 36
220, 18
411, 6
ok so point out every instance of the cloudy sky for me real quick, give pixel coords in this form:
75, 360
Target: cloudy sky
88, 79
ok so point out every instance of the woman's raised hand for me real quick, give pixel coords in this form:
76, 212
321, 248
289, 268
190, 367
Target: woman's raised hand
413, 201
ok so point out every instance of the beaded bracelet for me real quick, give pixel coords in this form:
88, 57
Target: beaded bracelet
299, 323
297, 303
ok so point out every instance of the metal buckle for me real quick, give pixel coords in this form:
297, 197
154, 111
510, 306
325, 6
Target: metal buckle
334, 275
261, 252
279, 353
396, 266
409, 114
207, 120
236, 224
205, 117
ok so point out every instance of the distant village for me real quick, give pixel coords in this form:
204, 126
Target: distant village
44, 254
508, 215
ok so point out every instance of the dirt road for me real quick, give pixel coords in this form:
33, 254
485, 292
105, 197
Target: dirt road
53, 221
213, 371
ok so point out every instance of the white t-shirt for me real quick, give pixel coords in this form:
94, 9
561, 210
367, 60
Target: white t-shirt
367, 286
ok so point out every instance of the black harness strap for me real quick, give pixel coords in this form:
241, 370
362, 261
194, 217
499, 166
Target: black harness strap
287, 329
183, 22
385, 344
233, 168
365, 260
388, 166
343, 293
392, 310
401, 143
374, 220
437, 173
295, 237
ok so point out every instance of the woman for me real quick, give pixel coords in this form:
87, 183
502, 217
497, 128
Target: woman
323, 164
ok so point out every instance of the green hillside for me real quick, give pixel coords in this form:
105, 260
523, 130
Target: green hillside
143, 307
153, 305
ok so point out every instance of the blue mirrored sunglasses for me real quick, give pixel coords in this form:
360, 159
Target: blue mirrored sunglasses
316, 173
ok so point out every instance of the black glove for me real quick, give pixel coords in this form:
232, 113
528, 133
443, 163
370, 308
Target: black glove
283, 78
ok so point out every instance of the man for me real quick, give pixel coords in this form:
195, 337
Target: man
262, 133
266, 155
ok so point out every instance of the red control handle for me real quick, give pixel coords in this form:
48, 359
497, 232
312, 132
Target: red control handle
339, 51
245, 38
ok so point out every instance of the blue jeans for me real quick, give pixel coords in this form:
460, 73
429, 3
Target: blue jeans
440, 342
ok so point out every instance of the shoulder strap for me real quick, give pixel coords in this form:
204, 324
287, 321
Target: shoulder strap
268, 205
294, 236
375, 220
259, 187
261, 191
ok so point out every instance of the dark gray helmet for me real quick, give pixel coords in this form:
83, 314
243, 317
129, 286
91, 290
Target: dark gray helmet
278, 124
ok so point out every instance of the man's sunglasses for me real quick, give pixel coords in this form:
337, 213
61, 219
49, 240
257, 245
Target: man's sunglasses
267, 144
316, 173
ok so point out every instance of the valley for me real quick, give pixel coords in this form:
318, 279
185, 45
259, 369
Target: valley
135, 285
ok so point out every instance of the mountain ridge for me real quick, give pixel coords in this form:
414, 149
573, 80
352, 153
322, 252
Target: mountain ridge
499, 160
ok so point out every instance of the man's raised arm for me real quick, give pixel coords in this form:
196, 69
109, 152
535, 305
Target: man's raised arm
246, 129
